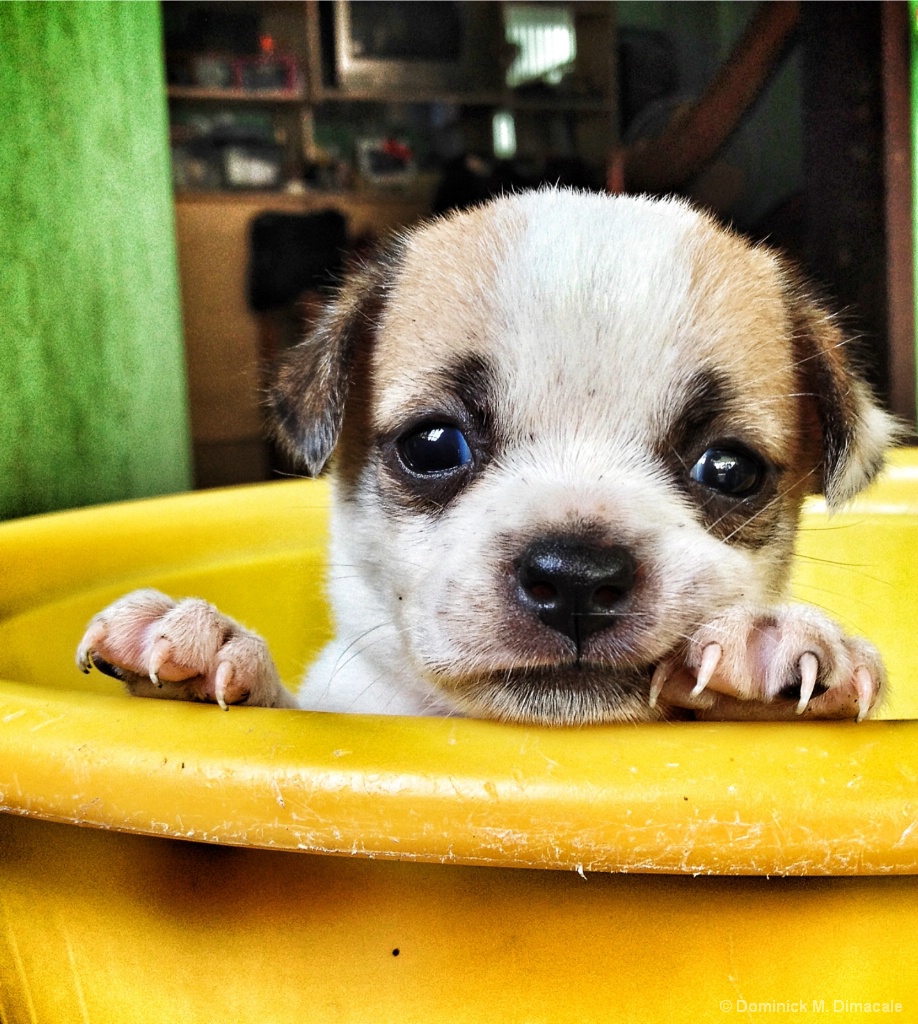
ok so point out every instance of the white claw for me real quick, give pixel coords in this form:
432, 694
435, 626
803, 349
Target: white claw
657, 682
809, 670
158, 656
221, 681
863, 683
710, 659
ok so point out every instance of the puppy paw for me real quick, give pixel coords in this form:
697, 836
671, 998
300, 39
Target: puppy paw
183, 650
776, 664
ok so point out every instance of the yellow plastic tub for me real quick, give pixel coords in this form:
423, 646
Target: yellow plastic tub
165, 862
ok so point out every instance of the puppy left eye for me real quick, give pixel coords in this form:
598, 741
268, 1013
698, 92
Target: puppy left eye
732, 471
434, 449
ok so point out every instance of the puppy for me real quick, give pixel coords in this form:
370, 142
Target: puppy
570, 437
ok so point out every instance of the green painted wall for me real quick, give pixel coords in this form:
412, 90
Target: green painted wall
92, 379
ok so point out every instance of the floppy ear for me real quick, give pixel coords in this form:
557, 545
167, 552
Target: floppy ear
311, 385
853, 432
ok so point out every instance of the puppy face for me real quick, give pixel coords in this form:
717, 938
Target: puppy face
569, 429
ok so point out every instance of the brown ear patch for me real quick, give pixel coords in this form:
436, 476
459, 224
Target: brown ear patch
312, 382
822, 374
843, 427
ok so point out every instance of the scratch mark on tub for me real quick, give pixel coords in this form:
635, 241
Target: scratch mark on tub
905, 834
77, 984
13, 944
47, 721
733, 976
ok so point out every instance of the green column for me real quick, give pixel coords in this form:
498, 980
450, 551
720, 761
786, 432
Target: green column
93, 400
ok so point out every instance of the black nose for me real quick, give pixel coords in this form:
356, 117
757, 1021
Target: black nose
575, 588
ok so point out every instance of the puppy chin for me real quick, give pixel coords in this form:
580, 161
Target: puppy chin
564, 695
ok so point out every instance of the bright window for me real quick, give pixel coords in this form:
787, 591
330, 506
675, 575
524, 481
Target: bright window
545, 39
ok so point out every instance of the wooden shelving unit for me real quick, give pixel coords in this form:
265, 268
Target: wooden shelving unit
198, 94
212, 226
296, 27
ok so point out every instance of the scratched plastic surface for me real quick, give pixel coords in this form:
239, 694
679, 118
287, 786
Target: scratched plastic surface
426, 817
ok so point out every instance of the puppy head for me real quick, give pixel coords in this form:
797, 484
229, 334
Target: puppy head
567, 430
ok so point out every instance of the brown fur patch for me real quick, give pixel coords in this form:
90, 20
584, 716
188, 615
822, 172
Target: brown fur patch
832, 398
439, 310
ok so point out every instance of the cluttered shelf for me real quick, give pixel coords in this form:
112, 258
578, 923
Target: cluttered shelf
203, 94
338, 96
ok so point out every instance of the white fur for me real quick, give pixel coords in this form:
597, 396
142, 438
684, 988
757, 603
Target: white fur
591, 322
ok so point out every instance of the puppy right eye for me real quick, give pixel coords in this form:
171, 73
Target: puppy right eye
434, 449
